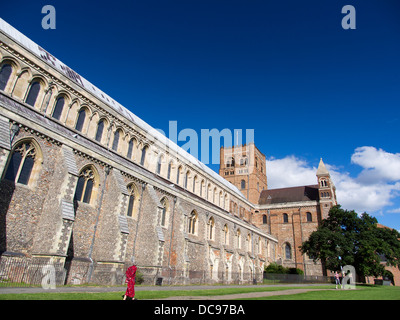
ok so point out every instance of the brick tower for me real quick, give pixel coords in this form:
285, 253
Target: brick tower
244, 166
327, 190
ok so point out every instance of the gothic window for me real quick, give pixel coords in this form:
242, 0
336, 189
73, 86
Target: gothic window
33, 93
21, 163
85, 186
159, 161
226, 235
143, 157
264, 217
285, 218
309, 217
288, 251
242, 184
201, 187
186, 179
131, 204
5, 73
164, 211
192, 222
178, 175
116, 140
194, 184
81, 120
238, 240
133, 200
248, 242
100, 129
169, 170
58, 109
211, 224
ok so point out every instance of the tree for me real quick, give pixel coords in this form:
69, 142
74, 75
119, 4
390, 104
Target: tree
345, 238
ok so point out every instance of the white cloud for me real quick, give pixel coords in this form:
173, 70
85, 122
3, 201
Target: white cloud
372, 190
378, 164
394, 210
289, 172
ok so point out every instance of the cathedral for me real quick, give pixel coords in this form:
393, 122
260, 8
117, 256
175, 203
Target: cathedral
89, 187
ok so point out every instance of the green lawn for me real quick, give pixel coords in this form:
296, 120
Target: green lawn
362, 293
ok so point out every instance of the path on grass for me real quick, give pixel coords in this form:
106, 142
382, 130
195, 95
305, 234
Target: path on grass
248, 295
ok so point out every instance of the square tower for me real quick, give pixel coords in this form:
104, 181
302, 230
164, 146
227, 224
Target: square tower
245, 167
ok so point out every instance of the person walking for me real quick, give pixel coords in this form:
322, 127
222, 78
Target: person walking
130, 281
337, 279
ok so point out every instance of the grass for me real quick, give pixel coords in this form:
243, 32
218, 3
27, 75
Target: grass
362, 293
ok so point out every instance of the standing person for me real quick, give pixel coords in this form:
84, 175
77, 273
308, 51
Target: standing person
337, 279
130, 281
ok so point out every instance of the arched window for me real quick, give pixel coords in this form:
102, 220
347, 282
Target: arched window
81, 120
130, 148
85, 185
288, 251
285, 218
33, 93
192, 222
264, 219
131, 204
309, 217
133, 200
116, 140
238, 239
100, 129
186, 179
159, 162
21, 163
169, 170
143, 157
194, 184
5, 74
211, 224
58, 109
164, 211
178, 174
226, 234
242, 184
248, 242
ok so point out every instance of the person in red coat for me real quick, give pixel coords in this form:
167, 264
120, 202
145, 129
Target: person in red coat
130, 281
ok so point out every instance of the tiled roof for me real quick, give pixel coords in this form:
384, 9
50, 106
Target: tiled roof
293, 194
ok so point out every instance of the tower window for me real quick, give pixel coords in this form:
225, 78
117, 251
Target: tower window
309, 217
242, 184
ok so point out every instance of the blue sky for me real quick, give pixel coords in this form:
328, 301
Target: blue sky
286, 69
